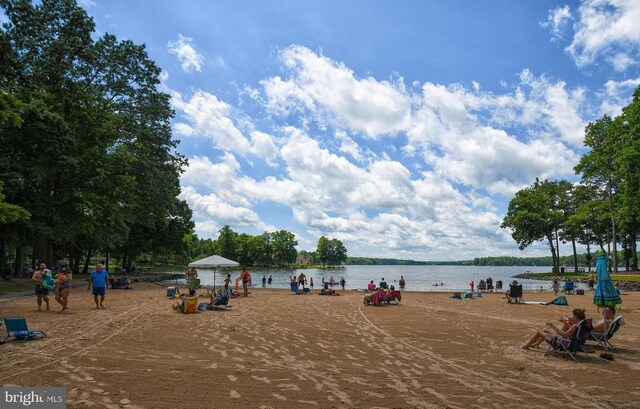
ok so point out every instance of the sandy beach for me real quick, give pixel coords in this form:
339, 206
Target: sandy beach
274, 349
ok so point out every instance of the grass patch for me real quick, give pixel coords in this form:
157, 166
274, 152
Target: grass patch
622, 277
16, 285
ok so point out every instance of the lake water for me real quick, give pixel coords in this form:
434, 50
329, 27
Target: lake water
418, 278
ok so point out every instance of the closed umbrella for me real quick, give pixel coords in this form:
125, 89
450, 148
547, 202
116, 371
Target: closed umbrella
213, 262
605, 295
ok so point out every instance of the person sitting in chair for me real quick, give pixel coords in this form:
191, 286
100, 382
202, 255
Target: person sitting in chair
540, 336
180, 306
599, 326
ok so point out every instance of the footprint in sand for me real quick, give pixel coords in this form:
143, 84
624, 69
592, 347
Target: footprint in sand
279, 397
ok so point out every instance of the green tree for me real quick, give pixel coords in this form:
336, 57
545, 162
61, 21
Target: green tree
226, 243
283, 245
533, 216
323, 250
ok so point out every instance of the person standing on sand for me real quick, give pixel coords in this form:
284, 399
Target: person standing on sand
42, 293
311, 282
591, 280
472, 284
63, 287
245, 276
227, 282
98, 279
264, 281
191, 275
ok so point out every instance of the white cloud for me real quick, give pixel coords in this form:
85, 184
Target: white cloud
557, 21
332, 91
207, 116
606, 27
189, 58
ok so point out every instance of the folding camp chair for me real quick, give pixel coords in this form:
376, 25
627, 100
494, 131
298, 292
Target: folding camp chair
17, 328
572, 344
514, 295
611, 330
569, 287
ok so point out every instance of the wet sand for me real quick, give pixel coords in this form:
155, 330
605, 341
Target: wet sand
274, 349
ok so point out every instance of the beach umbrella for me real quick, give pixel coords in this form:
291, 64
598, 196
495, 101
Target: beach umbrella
605, 295
213, 262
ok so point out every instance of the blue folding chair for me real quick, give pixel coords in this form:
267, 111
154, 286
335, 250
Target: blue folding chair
17, 328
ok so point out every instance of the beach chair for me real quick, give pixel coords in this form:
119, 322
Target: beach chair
573, 344
17, 328
514, 294
569, 287
189, 305
611, 330
221, 301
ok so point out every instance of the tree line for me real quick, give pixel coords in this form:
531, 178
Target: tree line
87, 160
265, 250
603, 210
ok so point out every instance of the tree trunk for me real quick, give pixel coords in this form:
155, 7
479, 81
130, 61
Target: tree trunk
18, 266
588, 257
554, 258
87, 260
634, 251
575, 255
44, 251
106, 260
3, 261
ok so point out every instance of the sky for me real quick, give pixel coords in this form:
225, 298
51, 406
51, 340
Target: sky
402, 128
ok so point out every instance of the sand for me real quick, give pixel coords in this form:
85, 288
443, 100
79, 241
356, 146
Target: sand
274, 349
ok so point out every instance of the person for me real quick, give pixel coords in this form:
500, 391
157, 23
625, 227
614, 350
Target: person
343, 282
301, 280
63, 287
270, 280
98, 280
555, 287
599, 326
227, 282
42, 292
264, 281
180, 306
472, 284
542, 335
402, 282
383, 284
371, 286
332, 282
311, 282
591, 280
191, 275
489, 284
246, 277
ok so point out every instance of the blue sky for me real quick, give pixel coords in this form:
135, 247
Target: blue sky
402, 128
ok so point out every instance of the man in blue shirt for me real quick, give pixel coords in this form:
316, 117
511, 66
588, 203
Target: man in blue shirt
383, 284
99, 279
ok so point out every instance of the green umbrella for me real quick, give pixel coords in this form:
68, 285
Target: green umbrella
605, 295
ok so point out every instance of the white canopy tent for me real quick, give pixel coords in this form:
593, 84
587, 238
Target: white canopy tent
213, 262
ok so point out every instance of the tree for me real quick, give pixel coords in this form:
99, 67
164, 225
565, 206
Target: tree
323, 250
283, 244
599, 168
226, 243
337, 251
533, 216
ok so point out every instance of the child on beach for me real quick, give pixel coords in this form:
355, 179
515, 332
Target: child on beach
555, 287
227, 281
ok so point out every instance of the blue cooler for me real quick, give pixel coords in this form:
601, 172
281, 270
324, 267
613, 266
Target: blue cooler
171, 292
